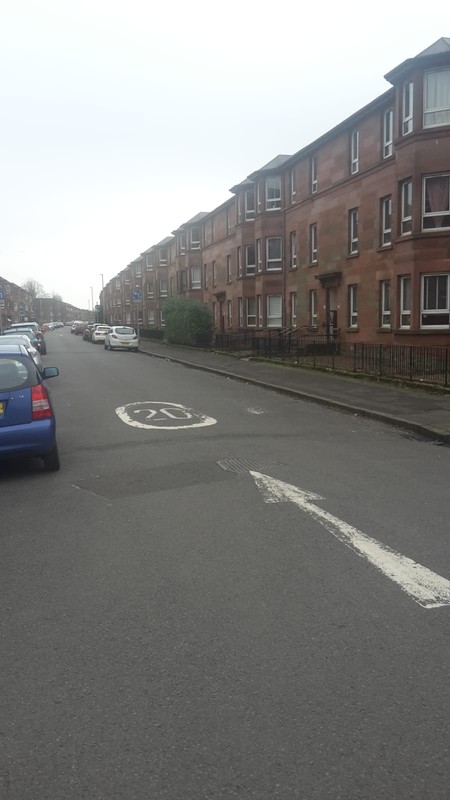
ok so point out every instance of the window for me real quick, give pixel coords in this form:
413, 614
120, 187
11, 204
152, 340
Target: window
196, 278
229, 314
239, 261
273, 193
273, 253
353, 306
240, 312
354, 152
313, 243
250, 204
436, 202
163, 257
228, 221
150, 290
228, 269
182, 243
435, 307
405, 301
388, 133
293, 185
293, 249
149, 261
385, 304
386, 224
258, 197
117, 283
406, 207
196, 237
259, 310
138, 270
274, 311
313, 308
436, 100
314, 175
205, 275
214, 274
162, 321
250, 259
293, 309
163, 288
250, 304
258, 255
353, 243
238, 209
407, 124
182, 280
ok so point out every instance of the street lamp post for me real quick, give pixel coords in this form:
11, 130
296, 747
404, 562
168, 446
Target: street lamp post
103, 299
92, 303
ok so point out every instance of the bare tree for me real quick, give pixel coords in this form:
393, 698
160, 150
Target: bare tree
34, 288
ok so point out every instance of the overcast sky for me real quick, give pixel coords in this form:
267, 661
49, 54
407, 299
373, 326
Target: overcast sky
121, 120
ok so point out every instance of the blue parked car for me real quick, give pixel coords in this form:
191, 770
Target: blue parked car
27, 420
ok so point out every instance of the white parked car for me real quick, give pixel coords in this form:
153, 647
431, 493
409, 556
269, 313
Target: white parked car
121, 337
26, 342
99, 333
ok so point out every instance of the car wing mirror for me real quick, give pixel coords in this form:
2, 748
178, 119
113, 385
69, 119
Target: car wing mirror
50, 372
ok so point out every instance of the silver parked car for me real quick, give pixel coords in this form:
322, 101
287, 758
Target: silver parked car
121, 337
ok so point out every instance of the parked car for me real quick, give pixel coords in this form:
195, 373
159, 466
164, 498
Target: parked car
32, 350
121, 337
37, 337
88, 331
98, 333
79, 328
27, 420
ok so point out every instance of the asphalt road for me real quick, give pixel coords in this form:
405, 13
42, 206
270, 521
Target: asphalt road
168, 630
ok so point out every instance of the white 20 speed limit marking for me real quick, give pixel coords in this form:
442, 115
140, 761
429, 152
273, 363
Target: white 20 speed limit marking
159, 415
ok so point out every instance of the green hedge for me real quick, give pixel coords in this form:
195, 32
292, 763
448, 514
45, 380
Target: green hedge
186, 320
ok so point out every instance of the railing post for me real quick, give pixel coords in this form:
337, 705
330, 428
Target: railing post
410, 362
380, 360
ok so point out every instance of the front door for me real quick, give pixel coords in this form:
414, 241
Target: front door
331, 311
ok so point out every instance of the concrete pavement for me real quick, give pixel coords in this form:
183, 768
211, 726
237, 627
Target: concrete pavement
423, 412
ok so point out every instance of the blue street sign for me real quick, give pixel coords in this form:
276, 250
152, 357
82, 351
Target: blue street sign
137, 295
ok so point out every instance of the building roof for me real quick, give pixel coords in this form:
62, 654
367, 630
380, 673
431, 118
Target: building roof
275, 164
441, 46
164, 242
432, 53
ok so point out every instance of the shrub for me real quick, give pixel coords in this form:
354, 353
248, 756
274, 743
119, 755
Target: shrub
187, 321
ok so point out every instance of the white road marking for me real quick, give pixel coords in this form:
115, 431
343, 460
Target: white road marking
427, 588
255, 410
168, 415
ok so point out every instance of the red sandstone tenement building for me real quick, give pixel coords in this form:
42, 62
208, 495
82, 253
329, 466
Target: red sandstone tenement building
350, 235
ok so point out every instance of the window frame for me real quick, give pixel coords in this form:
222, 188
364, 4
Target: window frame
407, 108
430, 215
438, 311
196, 243
354, 152
386, 221
406, 219
427, 110
385, 304
273, 203
313, 308
270, 316
293, 249
249, 212
248, 314
293, 309
352, 294
313, 165
279, 260
405, 308
250, 269
197, 284
353, 232
388, 133
313, 253
293, 185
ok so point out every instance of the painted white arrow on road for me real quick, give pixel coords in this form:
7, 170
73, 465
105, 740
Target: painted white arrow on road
424, 586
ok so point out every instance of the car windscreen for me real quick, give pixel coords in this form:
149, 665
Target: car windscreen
16, 373
125, 331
